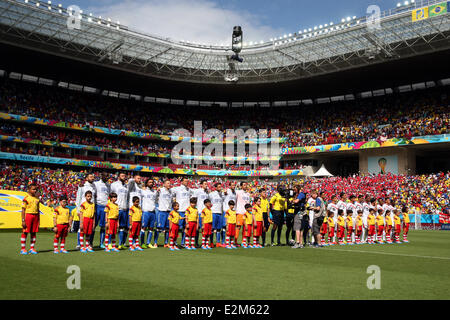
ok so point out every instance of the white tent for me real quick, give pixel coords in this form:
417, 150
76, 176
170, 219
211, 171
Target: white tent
322, 172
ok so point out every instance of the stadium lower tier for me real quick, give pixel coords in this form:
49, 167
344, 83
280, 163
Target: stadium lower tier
430, 193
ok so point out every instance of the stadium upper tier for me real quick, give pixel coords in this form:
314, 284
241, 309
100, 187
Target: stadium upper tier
403, 116
349, 44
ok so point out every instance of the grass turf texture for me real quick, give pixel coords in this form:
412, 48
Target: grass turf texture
418, 270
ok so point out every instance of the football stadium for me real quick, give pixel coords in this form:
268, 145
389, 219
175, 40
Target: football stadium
311, 165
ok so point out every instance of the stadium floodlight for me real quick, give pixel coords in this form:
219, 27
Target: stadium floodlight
348, 18
290, 34
236, 43
315, 27
406, 3
37, 4
26, 1
399, 4
321, 26
49, 2
59, 5
285, 36
354, 17
310, 29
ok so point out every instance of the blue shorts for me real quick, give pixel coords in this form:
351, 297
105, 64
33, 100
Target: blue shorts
199, 223
148, 219
162, 220
217, 221
123, 219
100, 216
224, 220
182, 223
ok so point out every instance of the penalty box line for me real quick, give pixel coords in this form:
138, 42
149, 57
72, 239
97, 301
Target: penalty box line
390, 254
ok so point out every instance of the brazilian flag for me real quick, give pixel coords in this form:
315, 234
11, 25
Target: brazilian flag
437, 9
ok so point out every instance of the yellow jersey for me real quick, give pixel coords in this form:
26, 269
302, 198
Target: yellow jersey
265, 207
371, 220
397, 220
325, 219
349, 222
341, 221
207, 216
258, 213
389, 220
135, 214
405, 217
62, 215
30, 204
74, 213
359, 221
87, 209
192, 214
248, 217
174, 217
380, 220
330, 222
230, 215
278, 202
291, 210
112, 211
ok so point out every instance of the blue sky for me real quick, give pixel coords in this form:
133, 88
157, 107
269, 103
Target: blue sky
211, 21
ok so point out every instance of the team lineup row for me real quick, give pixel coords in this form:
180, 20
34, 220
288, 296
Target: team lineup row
153, 211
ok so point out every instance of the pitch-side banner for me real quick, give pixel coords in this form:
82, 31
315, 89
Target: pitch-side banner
11, 208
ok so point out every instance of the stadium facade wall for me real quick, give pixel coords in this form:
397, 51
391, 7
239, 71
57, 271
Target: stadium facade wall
404, 157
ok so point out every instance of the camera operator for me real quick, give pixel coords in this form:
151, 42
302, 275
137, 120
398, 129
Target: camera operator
316, 206
300, 218
278, 205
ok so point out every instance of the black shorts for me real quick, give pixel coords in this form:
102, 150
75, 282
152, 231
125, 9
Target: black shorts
278, 217
75, 226
266, 220
305, 225
290, 219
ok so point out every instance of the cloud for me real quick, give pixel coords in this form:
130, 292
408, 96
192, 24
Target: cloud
201, 21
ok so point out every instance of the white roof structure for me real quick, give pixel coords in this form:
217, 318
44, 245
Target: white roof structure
322, 172
346, 45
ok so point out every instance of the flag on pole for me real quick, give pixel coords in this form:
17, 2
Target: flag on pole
420, 14
438, 9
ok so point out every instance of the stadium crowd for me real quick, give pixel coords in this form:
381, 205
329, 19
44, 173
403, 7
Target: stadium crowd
430, 193
64, 136
418, 113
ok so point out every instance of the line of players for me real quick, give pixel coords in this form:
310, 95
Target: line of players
360, 220
107, 206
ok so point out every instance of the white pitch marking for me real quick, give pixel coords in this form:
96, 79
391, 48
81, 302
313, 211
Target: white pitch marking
392, 254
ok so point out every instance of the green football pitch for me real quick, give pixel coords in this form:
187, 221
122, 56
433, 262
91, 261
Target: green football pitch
418, 270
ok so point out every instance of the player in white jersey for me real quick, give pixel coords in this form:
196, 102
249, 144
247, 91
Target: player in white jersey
332, 206
182, 195
101, 200
164, 200
365, 210
149, 194
120, 187
242, 198
201, 194
229, 195
351, 210
216, 198
311, 205
87, 186
342, 203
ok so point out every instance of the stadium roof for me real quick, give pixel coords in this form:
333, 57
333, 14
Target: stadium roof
351, 44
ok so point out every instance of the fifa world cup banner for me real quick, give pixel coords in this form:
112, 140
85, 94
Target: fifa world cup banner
383, 165
11, 211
